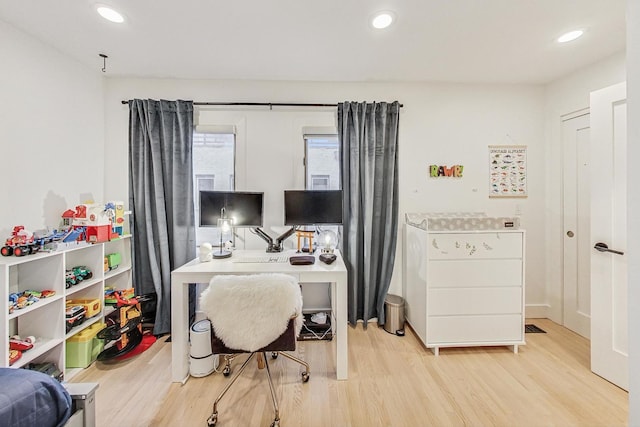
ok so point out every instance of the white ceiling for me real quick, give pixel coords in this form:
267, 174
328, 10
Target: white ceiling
505, 41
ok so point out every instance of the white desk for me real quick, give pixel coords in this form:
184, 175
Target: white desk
202, 272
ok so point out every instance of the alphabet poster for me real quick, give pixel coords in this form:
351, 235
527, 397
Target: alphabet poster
507, 171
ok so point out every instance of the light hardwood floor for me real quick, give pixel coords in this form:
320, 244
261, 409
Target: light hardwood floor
393, 381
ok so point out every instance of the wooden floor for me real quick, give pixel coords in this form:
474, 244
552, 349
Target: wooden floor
393, 381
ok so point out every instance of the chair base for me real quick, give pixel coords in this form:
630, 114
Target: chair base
213, 419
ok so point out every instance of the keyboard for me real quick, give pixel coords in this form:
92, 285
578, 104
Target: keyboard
261, 259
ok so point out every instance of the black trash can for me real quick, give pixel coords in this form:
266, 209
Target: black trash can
394, 314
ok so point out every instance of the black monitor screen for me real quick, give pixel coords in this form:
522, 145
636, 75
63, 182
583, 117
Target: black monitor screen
312, 207
244, 207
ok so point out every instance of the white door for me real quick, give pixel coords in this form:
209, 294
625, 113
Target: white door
577, 243
609, 325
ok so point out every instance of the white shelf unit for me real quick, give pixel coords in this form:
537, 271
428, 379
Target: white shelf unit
465, 288
45, 319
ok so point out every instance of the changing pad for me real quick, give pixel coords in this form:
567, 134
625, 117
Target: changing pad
460, 221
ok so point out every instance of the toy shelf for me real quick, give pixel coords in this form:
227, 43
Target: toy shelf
121, 246
35, 306
82, 286
40, 348
45, 319
88, 322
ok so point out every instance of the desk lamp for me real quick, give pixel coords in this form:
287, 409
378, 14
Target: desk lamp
224, 226
329, 241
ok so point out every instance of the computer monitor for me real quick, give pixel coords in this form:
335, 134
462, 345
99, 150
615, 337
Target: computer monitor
244, 207
312, 207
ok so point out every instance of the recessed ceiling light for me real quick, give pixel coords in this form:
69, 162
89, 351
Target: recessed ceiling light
382, 20
110, 14
571, 35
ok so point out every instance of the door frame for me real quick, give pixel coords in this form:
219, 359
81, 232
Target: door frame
583, 330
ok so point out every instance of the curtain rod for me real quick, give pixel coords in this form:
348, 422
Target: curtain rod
263, 104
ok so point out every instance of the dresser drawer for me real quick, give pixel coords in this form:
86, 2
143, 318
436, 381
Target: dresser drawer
489, 245
448, 330
463, 301
474, 273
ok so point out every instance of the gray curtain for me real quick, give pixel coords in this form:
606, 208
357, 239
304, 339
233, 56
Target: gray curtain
161, 197
369, 136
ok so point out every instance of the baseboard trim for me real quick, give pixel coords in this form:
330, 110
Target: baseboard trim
536, 311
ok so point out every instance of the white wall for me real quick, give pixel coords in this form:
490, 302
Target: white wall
564, 96
51, 132
440, 123
633, 152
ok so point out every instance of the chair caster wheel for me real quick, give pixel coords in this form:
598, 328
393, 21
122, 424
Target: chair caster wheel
274, 354
213, 419
305, 377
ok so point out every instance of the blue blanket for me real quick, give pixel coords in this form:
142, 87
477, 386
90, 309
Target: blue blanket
32, 399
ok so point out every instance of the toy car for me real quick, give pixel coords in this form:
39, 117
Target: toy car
39, 294
69, 279
14, 297
47, 293
113, 260
21, 243
82, 272
17, 343
25, 300
74, 315
13, 301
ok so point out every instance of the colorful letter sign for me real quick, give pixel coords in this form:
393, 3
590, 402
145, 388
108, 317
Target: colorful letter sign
454, 171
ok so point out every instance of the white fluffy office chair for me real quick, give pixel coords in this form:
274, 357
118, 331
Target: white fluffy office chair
254, 314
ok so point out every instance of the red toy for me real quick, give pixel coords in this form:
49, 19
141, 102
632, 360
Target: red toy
13, 356
19, 344
125, 329
20, 243
94, 219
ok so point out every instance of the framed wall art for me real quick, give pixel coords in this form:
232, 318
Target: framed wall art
507, 171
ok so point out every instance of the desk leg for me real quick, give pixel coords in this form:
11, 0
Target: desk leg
179, 331
339, 304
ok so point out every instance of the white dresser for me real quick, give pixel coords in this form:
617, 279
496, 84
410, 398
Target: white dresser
465, 287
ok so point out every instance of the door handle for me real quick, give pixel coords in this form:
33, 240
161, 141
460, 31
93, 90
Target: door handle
602, 247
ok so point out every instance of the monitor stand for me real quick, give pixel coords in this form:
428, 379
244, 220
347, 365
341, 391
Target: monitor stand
271, 245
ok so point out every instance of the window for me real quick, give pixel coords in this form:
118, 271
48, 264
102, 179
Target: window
322, 162
319, 182
213, 169
205, 182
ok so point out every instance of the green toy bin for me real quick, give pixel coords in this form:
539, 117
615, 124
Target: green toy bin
83, 348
